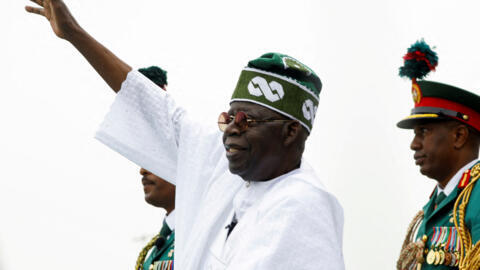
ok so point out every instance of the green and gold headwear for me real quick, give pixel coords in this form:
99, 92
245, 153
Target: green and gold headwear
282, 84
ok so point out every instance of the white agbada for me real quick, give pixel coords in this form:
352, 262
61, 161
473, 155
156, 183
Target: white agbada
290, 222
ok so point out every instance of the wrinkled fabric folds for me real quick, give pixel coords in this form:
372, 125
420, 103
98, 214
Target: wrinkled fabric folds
293, 223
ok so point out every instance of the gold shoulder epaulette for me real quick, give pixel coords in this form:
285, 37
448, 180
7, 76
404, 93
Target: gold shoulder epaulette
475, 171
469, 253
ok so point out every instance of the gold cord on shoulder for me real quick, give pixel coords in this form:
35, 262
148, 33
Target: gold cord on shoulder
469, 253
144, 252
411, 251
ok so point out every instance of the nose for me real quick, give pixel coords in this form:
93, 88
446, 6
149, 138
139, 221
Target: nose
143, 171
232, 129
415, 144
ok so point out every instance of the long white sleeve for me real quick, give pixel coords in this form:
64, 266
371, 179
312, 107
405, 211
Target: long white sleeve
143, 125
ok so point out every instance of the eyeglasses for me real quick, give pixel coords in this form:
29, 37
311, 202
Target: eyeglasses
241, 120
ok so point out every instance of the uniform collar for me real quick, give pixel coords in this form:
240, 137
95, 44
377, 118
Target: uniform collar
455, 179
170, 220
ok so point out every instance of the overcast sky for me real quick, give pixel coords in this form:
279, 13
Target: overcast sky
67, 201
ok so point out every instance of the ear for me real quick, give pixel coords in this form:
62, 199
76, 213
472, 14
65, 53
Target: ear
461, 134
290, 132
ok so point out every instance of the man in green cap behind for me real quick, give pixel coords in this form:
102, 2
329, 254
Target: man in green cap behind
159, 252
245, 198
446, 125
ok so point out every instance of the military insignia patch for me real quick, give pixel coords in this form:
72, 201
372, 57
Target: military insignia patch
416, 93
465, 179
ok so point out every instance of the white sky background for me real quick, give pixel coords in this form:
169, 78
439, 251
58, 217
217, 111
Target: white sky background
68, 201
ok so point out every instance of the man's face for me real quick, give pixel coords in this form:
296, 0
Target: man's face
433, 146
158, 192
255, 153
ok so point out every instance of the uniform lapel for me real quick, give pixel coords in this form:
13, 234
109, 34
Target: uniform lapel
427, 210
446, 202
451, 198
165, 246
429, 207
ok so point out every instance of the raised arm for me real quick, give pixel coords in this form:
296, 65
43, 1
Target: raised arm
112, 69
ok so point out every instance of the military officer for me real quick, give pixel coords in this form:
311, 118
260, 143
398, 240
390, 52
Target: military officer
158, 193
446, 125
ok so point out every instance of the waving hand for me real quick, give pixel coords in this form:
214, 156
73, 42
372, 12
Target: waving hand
112, 69
57, 13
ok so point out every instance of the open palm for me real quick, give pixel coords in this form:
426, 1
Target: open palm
57, 13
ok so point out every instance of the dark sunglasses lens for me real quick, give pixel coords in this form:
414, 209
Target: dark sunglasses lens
223, 120
241, 120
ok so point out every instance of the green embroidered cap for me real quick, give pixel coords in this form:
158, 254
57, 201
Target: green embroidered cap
282, 84
156, 75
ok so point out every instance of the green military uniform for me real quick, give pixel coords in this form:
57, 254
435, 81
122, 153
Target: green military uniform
162, 253
448, 228
438, 227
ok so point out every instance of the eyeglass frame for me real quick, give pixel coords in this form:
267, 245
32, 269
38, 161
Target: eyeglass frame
245, 118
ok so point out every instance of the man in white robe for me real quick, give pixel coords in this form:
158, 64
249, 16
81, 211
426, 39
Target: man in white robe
245, 198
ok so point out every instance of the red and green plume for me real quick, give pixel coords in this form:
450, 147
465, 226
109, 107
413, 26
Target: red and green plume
434, 100
419, 61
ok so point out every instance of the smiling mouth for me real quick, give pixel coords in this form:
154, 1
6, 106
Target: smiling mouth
232, 149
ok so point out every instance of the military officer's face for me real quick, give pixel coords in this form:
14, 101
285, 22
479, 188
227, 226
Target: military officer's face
158, 192
433, 143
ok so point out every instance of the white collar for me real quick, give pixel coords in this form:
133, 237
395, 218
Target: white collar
170, 220
253, 191
455, 179
250, 193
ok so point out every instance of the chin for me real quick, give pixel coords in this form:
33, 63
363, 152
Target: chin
150, 200
238, 169
426, 172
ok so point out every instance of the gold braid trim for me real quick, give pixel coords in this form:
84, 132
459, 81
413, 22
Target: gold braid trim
469, 254
409, 248
144, 252
412, 228
472, 258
